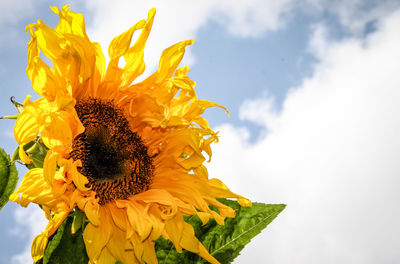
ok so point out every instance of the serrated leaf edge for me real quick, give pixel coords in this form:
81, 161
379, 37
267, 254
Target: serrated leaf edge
275, 214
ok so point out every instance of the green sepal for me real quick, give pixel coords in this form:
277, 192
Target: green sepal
9, 117
78, 221
15, 155
64, 247
222, 242
8, 178
36, 150
17, 105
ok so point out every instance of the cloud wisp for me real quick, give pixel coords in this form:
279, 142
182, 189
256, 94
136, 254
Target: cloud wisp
30, 222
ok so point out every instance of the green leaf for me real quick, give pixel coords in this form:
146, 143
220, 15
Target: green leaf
8, 178
223, 242
65, 248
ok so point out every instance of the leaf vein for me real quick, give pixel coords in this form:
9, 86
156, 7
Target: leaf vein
242, 234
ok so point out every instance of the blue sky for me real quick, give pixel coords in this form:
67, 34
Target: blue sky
312, 88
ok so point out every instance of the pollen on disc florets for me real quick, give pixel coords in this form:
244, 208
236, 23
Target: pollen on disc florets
114, 159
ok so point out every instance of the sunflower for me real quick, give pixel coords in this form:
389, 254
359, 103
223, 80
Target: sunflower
129, 155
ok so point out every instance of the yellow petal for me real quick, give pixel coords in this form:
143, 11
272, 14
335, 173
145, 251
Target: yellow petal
201, 171
96, 238
197, 108
135, 65
44, 80
174, 229
50, 166
105, 257
34, 188
137, 217
170, 59
92, 212
116, 246
27, 126
49, 41
220, 190
119, 216
57, 218
71, 167
204, 254
70, 22
38, 246
120, 44
23, 156
188, 240
149, 253
57, 132
99, 71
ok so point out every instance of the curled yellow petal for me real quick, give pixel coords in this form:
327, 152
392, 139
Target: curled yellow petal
170, 59
135, 65
23, 156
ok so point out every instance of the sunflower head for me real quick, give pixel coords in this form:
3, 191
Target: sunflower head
129, 155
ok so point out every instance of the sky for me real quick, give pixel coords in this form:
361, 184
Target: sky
313, 91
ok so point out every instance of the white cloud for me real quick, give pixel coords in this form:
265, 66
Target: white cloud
11, 14
352, 15
259, 111
30, 223
331, 155
363, 11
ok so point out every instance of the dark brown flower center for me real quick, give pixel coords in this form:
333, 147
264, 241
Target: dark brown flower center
114, 159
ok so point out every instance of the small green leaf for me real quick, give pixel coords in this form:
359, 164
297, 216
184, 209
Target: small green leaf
8, 178
223, 242
65, 248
